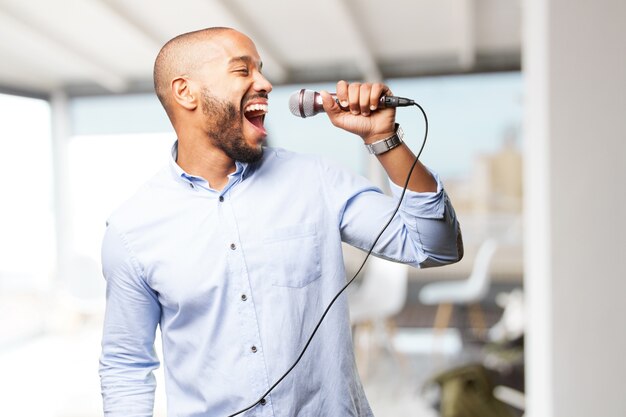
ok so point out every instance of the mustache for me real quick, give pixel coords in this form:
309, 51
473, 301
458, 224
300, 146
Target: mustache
263, 95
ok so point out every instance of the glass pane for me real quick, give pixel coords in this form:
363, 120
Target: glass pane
27, 247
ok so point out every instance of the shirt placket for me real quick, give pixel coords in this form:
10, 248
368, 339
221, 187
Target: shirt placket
255, 370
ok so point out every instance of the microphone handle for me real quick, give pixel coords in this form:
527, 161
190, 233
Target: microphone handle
383, 103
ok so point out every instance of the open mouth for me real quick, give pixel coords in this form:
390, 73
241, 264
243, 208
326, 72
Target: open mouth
255, 114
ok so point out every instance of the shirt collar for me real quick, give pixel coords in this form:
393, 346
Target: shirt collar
242, 170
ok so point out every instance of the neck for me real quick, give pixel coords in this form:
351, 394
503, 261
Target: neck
200, 158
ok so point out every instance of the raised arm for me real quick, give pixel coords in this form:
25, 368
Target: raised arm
426, 232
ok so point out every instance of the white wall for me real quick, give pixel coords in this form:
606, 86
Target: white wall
575, 175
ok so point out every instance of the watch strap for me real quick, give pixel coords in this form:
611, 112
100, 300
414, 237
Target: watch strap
381, 146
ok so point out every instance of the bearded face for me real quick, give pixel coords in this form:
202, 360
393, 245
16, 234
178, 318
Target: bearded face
225, 129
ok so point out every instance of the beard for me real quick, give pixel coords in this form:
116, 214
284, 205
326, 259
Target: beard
225, 129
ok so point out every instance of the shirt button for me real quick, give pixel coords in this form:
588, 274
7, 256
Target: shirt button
221, 198
253, 349
190, 185
263, 402
232, 246
243, 297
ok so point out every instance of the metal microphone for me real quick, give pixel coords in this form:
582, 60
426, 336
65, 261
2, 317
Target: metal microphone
307, 103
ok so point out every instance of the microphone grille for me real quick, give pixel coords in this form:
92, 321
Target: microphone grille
302, 103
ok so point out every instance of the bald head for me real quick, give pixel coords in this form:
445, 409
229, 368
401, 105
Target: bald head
178, 57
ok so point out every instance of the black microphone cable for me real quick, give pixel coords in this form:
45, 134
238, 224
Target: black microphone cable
369, 252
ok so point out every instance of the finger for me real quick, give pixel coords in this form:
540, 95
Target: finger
342, 93
378, 89
353, 98
329, 104
364, 99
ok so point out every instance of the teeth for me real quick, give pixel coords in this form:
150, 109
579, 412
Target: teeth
256, 107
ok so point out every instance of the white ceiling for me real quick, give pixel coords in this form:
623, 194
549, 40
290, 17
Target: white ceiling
108, 46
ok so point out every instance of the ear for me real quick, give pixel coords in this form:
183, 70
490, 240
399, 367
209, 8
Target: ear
183, 93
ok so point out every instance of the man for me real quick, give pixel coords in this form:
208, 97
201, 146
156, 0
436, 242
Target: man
235, 249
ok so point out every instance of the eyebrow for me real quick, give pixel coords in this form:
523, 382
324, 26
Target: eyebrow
245, 59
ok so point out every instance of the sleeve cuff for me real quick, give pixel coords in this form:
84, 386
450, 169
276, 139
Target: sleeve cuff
429, 205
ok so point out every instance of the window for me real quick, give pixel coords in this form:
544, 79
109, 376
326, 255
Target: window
27, 245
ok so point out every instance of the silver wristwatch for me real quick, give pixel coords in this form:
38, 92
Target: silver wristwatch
384, 145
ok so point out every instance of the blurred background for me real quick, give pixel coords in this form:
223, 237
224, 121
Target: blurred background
525, 100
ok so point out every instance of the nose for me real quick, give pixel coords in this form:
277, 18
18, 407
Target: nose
261, 83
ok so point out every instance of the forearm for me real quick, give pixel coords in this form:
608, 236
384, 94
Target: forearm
397, 163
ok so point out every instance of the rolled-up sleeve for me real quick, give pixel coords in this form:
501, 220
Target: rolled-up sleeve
424, 233
128, 356
432, 224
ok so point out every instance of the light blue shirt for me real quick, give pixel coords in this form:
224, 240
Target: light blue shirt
237, 280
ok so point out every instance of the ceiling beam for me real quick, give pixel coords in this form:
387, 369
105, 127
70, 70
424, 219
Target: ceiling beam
365, 59
12, 91
155, 39
273, 62
96, 71
20, 69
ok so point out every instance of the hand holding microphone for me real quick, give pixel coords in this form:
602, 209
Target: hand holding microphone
365, 109
306, 103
